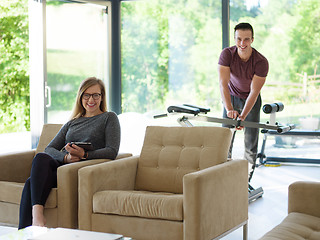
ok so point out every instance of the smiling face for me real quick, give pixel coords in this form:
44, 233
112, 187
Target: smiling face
92, 105
243, 40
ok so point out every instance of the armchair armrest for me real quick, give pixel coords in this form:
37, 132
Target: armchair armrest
123, 155
304, 197
16, 167
220, 193
106, 176
67, 176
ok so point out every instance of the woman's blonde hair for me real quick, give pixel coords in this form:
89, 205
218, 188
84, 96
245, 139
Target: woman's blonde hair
78, 109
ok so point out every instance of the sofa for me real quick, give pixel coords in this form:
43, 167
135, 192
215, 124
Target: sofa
303, 220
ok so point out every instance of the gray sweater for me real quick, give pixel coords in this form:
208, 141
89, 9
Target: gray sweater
103, 131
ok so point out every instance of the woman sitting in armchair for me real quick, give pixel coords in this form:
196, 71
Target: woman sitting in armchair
90, 122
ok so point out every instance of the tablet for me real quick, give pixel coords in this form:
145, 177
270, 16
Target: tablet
87, 146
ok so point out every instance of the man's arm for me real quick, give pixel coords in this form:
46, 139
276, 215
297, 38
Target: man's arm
255, 88
224, 78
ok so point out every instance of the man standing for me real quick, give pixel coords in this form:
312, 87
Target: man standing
242, 73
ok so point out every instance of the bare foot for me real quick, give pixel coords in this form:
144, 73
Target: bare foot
38, 218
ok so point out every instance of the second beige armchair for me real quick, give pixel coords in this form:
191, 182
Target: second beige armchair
303, 220
180, 187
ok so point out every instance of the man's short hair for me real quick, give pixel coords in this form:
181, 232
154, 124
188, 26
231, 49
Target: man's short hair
243, 26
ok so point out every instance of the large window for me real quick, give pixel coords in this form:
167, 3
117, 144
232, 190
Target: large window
77, 48
170, 51
169, 55
287, 34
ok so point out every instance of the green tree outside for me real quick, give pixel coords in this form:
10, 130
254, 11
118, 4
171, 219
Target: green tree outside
304, 39
286, 32
14, 65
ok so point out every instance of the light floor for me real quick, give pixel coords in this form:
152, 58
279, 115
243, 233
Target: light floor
271, 209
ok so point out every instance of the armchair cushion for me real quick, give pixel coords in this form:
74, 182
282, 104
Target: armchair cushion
10, 192
158, 205
296, 226
169, 153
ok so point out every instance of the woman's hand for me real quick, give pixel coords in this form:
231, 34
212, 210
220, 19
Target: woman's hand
75, 153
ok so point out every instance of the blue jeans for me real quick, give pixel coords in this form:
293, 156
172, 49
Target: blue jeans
251, 135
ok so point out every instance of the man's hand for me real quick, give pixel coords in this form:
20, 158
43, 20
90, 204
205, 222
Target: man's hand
240, 117
236, 116
232, 114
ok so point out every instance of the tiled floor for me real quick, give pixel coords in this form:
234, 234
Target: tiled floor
268, 211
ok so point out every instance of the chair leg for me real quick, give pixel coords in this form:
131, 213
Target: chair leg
245, 231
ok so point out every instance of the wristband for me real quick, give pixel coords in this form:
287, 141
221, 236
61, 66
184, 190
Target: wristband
85, 155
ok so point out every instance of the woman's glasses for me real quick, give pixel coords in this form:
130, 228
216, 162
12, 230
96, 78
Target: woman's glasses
95, 96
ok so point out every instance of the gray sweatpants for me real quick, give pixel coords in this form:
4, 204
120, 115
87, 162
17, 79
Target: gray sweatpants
251, 135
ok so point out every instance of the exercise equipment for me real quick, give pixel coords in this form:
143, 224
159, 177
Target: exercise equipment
199, 114
264, 160
195, 111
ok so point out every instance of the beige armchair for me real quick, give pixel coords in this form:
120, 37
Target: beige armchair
180, 187
303, 220
61, 208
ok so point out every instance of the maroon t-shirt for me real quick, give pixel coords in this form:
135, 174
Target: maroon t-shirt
241, 73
